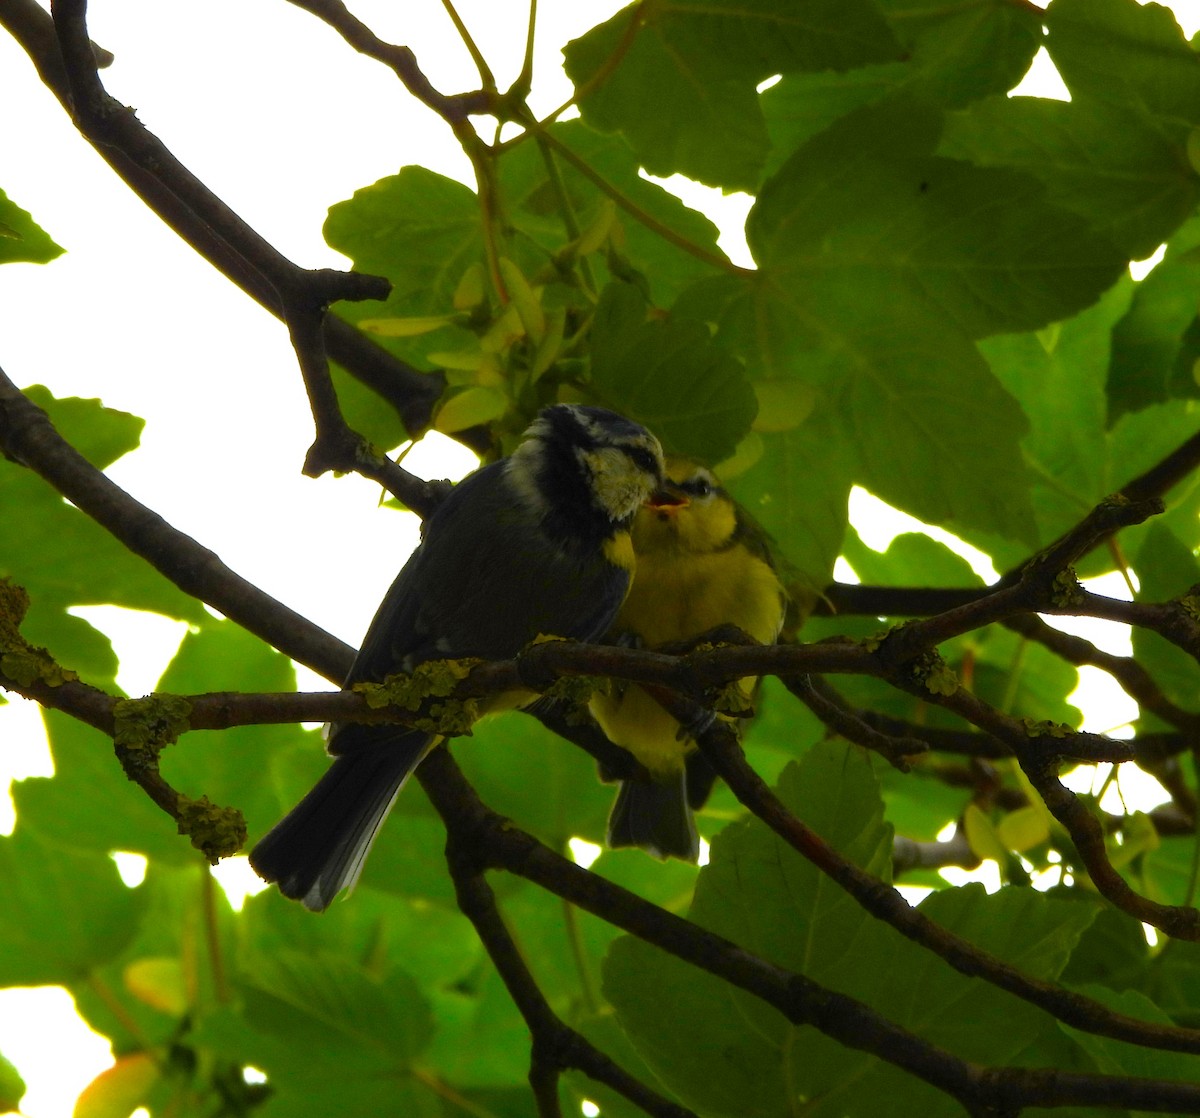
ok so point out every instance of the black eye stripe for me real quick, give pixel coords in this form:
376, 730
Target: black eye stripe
642, 458
701, 485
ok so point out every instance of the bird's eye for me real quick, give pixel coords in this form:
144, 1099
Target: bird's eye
700, 485
643, 459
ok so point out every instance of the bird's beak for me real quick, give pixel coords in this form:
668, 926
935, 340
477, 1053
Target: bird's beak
666, 499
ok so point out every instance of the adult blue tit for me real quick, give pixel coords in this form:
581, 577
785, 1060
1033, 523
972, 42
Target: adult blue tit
537, 543
702, 563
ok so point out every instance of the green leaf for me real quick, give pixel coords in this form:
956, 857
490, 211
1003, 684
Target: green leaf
936, 434
21, 239
474, 405
1125, 52
232, 766
911, 559
433, 944
1112, 1057
482, 1040
1113, 163
1169, 876
1058, 375
45, 938
331, 1037
409, 856
725, 1053
175, 904
699, 66
1157, 343
236, 767
538, 217
1172, 976
557, 796
606, 1034
64, 558
962, 52
331, 1013
671, 376
422, 231
1166, 568
1013, 673
954, 54
1113, 951
979, 249
798, 490
89, 804
418, 228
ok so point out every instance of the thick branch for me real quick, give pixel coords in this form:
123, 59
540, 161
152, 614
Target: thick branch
496, 843
556, 1047
28, 437
1134, 679
234, 249
302, 295
719, 744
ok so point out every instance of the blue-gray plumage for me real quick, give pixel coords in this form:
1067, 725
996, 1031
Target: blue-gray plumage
535, 543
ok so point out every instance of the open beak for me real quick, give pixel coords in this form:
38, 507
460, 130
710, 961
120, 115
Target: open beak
668, 498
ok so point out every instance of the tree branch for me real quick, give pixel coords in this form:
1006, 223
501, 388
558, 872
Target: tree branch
497, 844
28, 437
234, 249
454, 109
556, 1047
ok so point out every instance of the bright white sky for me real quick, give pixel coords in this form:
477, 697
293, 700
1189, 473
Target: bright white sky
270, 108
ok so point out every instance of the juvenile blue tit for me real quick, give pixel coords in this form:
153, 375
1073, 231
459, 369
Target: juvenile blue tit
537, 543
701, 563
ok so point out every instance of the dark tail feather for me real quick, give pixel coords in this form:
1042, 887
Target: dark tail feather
319, 847
701, 777
655, 816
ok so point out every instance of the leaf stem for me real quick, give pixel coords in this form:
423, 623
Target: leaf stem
716, 260
486, 78
587, 980
212, 938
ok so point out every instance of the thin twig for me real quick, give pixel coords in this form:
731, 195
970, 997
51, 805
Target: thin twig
454, 108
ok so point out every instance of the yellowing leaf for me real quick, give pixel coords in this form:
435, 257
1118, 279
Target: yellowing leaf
159, 982
469, 292
524, 298
1139, 835
119, 1090
1023, 829
597, 233
470, 408
550, 344
468, 360
502, 333
982, 836
748, 451
782, 404
491, 373
406, 327
12, 1087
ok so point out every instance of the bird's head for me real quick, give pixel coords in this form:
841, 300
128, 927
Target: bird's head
689, 512
578, 459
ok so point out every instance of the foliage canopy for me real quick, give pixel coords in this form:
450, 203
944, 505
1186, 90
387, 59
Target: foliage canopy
940, 310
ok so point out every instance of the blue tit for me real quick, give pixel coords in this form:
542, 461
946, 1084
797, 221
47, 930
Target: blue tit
537, 543
702, 563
